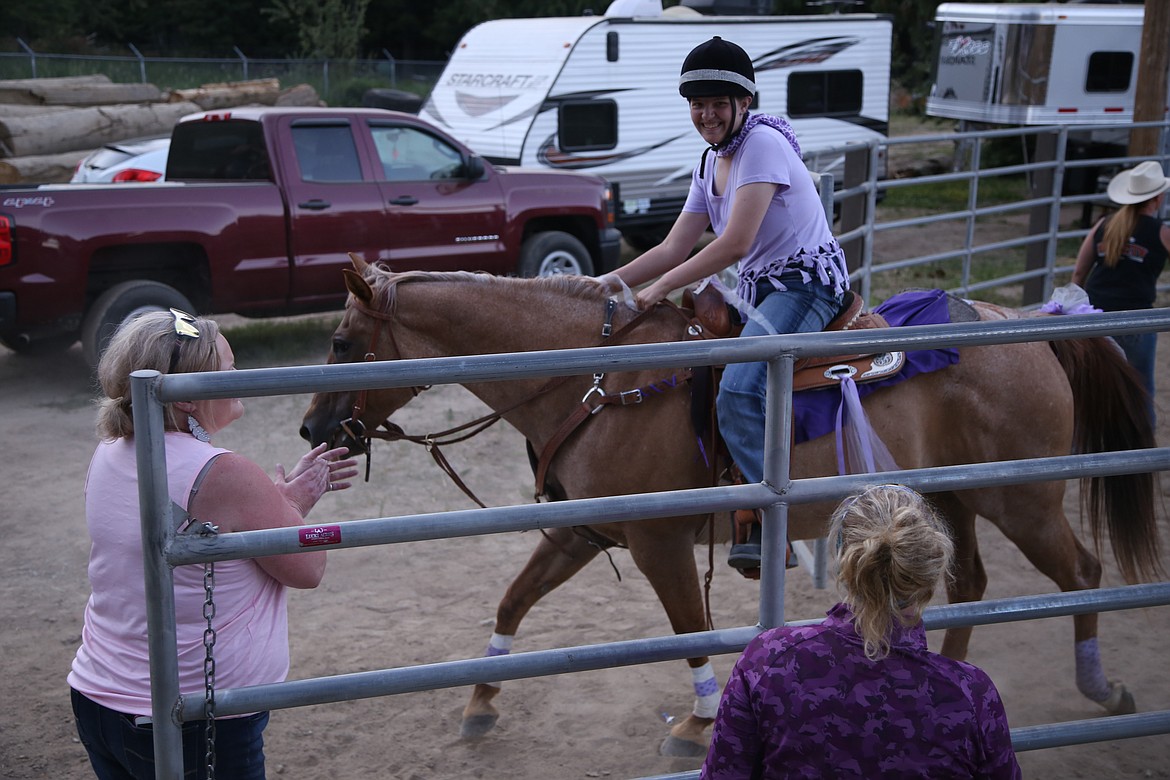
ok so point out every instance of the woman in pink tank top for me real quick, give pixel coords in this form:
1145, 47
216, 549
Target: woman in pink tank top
109, 679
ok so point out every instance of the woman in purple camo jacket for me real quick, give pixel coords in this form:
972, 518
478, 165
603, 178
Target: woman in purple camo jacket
860, 696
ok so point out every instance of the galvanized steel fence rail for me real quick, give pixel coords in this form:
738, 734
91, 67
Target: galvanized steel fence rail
1050, 245
164, 549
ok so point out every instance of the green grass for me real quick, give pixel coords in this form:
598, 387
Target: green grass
948, 275
985, 266
925, 198
941, 196
285, 342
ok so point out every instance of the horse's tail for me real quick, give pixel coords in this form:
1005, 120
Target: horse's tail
1110, 411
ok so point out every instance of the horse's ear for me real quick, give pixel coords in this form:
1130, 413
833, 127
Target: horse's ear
358, 263
356, 284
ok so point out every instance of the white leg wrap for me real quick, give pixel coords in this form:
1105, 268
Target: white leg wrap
706, 691
499, 644
1090, 676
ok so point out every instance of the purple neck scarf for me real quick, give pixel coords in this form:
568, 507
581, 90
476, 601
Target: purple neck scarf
750, 121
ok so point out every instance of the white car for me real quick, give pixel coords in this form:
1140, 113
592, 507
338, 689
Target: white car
143, 159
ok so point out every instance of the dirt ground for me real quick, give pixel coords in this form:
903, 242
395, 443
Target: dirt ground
431, 601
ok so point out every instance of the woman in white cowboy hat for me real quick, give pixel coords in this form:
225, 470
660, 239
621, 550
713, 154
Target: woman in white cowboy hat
1122, 256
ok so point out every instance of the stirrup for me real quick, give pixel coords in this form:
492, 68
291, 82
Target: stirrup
748, 555
745, 556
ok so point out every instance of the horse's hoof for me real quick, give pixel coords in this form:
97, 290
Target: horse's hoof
476, 726
681, 748
1120, 701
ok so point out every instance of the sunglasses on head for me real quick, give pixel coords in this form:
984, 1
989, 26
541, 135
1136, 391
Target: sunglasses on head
184, 329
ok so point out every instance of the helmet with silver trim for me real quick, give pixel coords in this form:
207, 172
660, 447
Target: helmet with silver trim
716, 68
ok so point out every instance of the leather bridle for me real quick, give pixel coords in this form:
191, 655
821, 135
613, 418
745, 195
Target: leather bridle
353, 425
594, 400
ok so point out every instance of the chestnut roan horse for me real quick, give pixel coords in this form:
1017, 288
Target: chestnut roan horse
1003, 402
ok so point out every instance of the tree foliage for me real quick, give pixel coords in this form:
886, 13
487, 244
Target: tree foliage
325, 29
406, 29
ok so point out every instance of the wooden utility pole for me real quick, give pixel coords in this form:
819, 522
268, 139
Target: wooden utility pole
1149, 103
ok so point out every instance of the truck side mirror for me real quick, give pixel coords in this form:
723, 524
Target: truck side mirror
473, 167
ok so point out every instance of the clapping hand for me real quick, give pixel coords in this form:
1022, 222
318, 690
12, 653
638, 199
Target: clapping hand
319, 471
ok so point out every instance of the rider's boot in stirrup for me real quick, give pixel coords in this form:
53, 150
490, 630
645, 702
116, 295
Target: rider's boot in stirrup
746, 552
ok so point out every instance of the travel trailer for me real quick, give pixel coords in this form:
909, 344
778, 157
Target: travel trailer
1036, 63
600, 94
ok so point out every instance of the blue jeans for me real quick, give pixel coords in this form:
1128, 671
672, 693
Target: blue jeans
802, 308
119, 750
1139, 349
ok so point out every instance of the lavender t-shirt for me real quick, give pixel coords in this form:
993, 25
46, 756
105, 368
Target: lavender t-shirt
794, 233
805, 702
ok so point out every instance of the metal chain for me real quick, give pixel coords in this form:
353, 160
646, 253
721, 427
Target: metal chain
209, 658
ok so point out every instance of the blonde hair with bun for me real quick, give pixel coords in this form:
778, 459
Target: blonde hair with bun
892, 548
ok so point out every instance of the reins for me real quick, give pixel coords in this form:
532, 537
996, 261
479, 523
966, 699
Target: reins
594, 401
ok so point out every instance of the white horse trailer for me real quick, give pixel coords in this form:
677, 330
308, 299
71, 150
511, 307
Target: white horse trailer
600, 94
1036, 63
1021, 64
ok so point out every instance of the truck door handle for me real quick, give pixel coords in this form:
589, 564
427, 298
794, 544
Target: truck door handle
404, 200
316, 204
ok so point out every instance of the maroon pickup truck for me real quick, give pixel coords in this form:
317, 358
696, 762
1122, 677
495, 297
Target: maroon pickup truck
259, 211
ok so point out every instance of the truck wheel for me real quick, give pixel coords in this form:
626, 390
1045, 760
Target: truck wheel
554, 253
122, 302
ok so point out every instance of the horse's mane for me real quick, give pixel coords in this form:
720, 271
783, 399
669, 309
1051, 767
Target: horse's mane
385, 282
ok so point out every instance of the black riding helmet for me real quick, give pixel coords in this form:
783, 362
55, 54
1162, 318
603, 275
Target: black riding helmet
716, 68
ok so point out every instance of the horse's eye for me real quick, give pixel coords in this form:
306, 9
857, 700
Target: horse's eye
340, 347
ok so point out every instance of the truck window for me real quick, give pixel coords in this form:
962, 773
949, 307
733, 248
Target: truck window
1109, 71
411, 154
326, 152
223, 150
587, 126
824, 93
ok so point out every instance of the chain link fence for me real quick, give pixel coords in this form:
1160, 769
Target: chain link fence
338, 82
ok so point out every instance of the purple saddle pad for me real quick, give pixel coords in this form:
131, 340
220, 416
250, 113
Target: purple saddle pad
815, 411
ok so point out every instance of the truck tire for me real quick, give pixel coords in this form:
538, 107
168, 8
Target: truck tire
554, 253
122, 302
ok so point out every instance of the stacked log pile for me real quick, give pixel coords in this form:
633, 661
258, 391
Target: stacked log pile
47, 126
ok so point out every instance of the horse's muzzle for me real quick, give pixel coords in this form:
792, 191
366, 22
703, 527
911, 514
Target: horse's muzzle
353, 436
348, 433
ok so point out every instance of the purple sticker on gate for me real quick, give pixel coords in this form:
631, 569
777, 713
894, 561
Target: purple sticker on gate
319, 535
